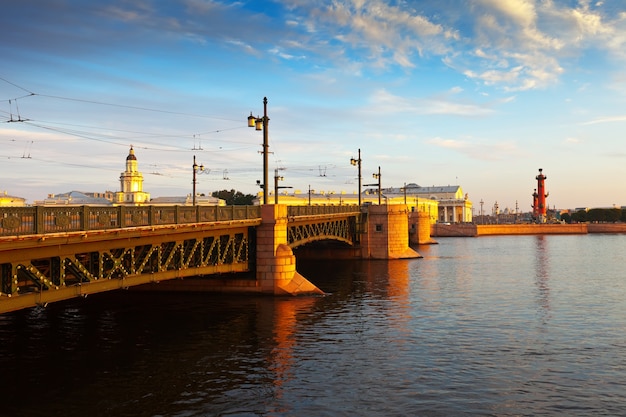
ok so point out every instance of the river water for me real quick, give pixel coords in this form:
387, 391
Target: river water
489, 326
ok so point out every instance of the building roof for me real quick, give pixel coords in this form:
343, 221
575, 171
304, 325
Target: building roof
416, 189
201, 200
11, 200
75, 198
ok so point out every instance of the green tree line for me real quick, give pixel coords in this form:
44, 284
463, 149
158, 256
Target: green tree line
603, 215
234, 198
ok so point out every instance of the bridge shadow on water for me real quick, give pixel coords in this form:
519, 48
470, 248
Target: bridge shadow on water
162, 353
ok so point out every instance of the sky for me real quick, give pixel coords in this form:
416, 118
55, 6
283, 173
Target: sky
476, 93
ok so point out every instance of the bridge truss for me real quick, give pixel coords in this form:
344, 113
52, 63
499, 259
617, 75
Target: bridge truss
305, 229
46, 268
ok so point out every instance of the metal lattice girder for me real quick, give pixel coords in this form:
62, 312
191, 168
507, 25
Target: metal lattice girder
341, 229
51, 268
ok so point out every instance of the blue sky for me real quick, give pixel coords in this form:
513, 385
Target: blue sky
480, 93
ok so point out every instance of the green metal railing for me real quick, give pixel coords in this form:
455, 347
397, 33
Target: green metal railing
295, 211
19, 221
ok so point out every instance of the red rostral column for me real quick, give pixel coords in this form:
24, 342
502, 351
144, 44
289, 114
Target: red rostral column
535, 204
541, 196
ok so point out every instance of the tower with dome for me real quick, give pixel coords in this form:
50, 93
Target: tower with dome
131, 184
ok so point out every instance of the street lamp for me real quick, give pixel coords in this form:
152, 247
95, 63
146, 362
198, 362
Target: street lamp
276, 187
357, 162
261, 124
310, 191
195, 168
482, 219
404, 190
377, 176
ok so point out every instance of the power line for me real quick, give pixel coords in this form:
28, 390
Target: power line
31, 93
17, 86
129, 107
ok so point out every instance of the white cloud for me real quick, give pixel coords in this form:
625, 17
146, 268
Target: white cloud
477, 149
384, 102
572, 141
611, 119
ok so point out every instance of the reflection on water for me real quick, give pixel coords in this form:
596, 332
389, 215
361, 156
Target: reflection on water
542, 261
503, 326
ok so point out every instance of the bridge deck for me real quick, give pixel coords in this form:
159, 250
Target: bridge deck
50, 254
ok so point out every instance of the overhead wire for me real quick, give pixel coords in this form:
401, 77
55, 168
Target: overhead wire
122, 141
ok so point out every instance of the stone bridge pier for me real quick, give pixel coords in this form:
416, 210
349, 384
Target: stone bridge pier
275, 262
385, 235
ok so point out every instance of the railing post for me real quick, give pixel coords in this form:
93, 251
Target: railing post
122, 216
84, 221
39, 227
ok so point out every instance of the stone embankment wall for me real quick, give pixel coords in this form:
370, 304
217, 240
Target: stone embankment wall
471, 230
606, 227
531, 229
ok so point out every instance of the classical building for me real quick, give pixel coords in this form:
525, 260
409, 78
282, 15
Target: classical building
74, 198
7, 200
446, 204
453, 205
201, 200
368, 197
131, 182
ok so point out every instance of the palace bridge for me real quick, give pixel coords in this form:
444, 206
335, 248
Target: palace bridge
49, 254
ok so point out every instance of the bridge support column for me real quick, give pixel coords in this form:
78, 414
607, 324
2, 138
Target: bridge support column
387, 233
419, 228
275, 262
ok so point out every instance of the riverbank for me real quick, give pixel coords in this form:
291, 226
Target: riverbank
474, 230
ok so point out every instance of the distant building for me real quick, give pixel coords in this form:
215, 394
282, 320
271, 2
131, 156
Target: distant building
368, 197
7, 200
453, 205
201, 200
131, 182
74, 198
108, 195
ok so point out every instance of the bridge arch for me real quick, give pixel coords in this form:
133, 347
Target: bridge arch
341, 229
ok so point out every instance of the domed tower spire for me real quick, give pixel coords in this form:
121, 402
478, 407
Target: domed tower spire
131, 161
131, 183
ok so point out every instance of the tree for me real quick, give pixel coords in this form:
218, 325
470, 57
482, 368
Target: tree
580, 216
604, 215
566, 217
234, 198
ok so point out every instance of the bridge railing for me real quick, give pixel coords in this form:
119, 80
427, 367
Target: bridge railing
294, 211
41, 219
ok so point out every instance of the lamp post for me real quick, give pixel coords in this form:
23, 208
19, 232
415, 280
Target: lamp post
310, 191
404, 190
276, 187
195, 168
261, 124
377, 176
358, 163
482, 219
